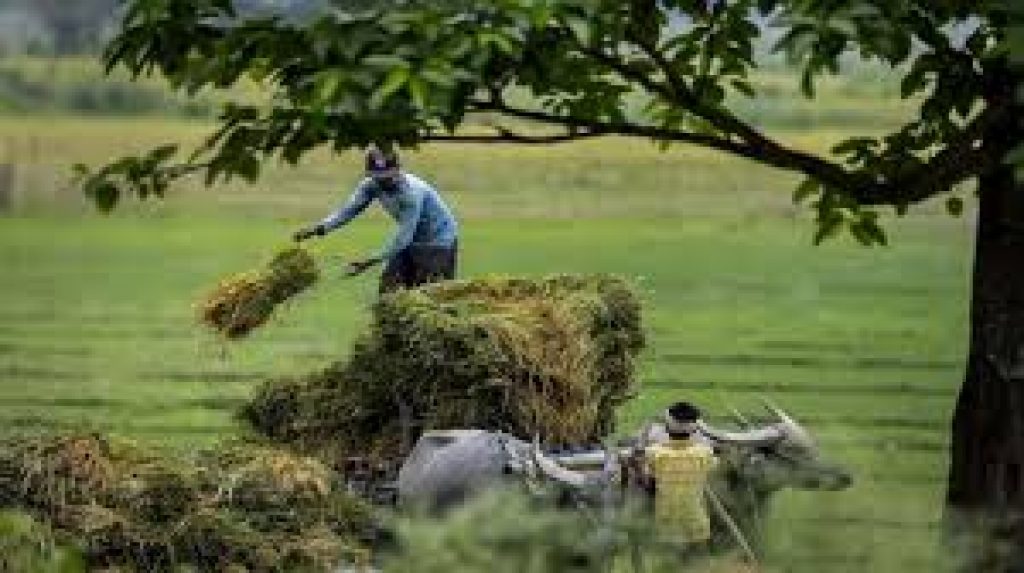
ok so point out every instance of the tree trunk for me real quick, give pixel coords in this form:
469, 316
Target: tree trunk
986, 480
6, 187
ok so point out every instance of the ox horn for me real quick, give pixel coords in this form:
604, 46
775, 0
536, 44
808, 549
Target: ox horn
646, 436
793, 429
739, 417
756, 436
780, 414
555, 471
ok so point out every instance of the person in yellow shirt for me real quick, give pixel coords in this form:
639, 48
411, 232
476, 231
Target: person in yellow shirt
679, 471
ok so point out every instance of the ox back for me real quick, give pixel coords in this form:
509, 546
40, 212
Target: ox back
447, 466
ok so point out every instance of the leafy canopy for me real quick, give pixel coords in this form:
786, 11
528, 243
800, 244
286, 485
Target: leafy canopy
410, 72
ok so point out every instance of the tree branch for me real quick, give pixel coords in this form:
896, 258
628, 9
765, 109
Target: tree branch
615, 128
505, 136
776, 156
756, 146
956, 163
684, 96
974, 151
183, 169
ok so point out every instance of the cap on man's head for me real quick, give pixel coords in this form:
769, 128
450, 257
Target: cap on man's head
381, 163
681, 417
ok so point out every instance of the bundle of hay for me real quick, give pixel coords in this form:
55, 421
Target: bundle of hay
255, 507
551, 357
245, 301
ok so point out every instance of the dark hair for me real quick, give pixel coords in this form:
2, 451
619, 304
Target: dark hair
381, 160
684, 412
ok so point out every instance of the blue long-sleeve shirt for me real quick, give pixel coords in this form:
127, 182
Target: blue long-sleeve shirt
423, 217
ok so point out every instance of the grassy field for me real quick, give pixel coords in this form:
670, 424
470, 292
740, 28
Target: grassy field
98, 330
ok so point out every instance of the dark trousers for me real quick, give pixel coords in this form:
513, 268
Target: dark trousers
418, 265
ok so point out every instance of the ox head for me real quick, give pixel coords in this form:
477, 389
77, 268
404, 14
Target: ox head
777, 455
781, 454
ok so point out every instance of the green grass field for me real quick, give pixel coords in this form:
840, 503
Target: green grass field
98, 329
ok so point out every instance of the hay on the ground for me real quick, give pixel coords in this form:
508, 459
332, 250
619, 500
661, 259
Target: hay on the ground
246, 301
28, 545
551, 356
255, 507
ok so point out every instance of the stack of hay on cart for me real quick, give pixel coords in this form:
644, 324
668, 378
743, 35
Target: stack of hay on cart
551, 357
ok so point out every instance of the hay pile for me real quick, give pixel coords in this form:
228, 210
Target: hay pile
552, 356
245, 301
27, 545
254, 508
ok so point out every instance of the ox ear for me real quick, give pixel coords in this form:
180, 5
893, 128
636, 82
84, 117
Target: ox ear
645, 436
653, 433
519, 459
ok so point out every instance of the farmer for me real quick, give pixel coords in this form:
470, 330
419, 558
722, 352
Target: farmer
424, 249
679, 470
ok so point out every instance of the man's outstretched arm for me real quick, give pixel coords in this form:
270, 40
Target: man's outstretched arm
355, 205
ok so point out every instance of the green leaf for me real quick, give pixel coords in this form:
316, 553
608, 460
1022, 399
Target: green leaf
80, 171
163, 153
540, 15
855, 145
807, 83
462, 47
860, 234
744, 88
1015, 157
808, 188
499, 41
879, 235
385, 61
438, 78
580, 28
868, 232
394, 81
329, 84
418, 92
260, 69
955, 206
827, 229
105, 194
248, 167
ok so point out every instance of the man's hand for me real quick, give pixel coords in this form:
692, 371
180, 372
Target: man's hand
356, 268
308, 232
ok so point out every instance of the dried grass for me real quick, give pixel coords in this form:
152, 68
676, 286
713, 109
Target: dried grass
551, 356
256, 507
244, 302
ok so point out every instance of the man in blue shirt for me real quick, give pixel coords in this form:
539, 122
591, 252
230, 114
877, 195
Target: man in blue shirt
424, 249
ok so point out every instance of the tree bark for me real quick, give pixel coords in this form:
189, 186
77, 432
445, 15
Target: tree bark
985, 496
6, 187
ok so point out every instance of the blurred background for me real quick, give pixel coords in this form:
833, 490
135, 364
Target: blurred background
97, 315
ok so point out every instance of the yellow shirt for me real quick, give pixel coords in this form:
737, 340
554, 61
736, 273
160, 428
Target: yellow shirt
681, 469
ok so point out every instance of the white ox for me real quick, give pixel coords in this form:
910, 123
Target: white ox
448, 466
